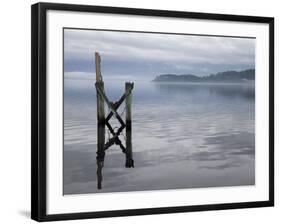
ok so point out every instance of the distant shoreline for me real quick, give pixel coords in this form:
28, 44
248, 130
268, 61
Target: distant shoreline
245, 76
206, 83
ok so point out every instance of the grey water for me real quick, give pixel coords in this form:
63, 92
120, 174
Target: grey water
185, 135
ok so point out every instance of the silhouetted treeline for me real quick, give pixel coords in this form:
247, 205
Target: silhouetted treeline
227, 76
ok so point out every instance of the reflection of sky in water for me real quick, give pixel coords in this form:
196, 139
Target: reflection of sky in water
184, 135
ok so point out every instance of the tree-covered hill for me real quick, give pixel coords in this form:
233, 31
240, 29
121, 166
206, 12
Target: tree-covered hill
227, 76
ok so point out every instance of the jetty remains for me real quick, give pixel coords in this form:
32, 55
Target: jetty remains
103, 122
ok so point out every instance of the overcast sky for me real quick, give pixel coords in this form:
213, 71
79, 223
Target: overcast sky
143, 55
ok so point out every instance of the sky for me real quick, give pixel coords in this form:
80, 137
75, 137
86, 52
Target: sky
134, 56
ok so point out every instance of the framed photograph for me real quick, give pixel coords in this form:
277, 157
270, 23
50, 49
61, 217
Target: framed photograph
140, 111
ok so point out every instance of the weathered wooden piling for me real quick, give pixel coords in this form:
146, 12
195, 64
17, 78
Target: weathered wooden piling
101, 121
129, 154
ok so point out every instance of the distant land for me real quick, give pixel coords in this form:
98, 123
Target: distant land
227, 76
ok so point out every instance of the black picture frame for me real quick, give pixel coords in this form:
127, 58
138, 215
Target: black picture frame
39, 108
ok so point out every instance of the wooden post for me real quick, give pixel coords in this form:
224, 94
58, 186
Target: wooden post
129, 153
98, 70
101, 122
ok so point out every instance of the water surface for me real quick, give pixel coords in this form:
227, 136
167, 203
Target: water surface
185, 135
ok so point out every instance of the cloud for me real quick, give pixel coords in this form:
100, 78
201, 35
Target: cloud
154, 52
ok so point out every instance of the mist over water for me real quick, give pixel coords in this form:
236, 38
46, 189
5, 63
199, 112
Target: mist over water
185, 135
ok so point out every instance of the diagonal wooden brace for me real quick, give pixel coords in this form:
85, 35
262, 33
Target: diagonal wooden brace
109, 104
119, 102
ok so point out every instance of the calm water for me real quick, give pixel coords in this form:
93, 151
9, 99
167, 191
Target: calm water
184, 136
